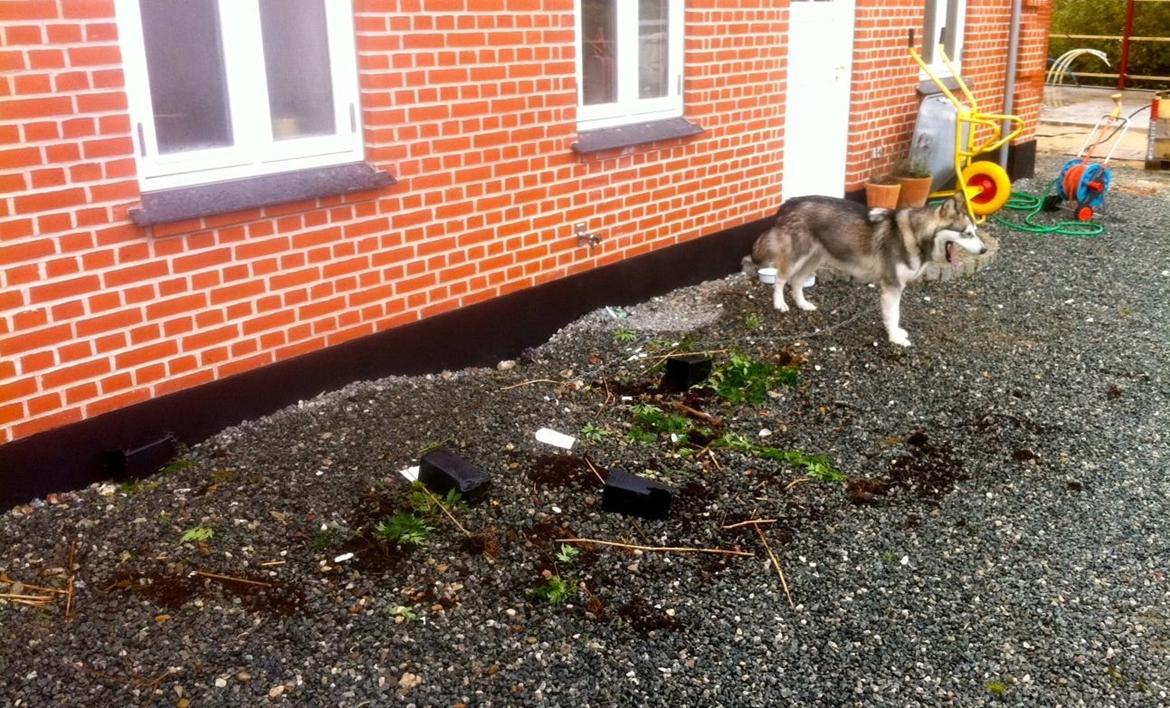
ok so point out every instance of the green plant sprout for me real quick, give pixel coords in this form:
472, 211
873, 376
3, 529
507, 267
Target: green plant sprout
568, 554
556, 589
197, 534
405, 528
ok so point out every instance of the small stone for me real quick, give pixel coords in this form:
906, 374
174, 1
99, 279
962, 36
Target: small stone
408, 681
276, 691
221, 682
243, 676
506, 365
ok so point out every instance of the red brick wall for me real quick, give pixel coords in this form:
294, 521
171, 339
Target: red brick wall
469, 103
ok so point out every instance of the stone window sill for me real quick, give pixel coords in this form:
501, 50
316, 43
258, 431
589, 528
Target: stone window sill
181, 203
621, 136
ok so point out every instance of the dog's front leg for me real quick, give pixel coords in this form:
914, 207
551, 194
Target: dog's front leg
778, 294
891, 313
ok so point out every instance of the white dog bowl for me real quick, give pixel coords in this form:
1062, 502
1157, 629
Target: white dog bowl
766, 275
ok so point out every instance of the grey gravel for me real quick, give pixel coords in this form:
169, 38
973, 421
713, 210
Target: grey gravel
1019, 557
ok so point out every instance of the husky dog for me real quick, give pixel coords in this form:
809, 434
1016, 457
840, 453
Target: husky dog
881, 246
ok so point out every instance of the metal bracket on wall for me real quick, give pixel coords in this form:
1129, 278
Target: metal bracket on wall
584, 237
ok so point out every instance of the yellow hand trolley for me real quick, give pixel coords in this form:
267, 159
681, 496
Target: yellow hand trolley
984, 185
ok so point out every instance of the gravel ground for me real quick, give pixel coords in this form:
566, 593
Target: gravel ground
1002, 537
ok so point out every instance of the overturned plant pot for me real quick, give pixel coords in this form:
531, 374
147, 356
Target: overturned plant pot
140, 461
442, 470
686, 370
627, 493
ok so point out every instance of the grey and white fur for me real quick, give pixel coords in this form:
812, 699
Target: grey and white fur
890, 248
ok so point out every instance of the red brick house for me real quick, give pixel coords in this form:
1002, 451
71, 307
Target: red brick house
212, 208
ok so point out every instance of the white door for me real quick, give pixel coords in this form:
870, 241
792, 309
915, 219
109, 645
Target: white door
816, 122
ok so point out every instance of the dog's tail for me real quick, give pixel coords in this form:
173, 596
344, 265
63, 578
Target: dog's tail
748, 266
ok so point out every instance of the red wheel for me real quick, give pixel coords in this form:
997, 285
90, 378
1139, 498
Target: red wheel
988, 187
1084, 213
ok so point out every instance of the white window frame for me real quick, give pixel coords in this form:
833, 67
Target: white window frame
629, 108
254, 152
941, 9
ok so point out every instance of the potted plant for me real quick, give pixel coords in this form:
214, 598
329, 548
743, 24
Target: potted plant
881, 192
915, 179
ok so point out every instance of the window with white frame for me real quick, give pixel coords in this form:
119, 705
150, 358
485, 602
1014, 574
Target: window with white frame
629, 61
221, 89
944, 28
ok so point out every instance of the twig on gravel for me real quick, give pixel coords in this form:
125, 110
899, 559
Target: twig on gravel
128, 681
533, 381
589, 462
265, 564
663, 357
711, 454
665, 549
788, 487
748, 523
5, 580
776, 565
69, 595
27, 599
713, 421
232, 578
443, 507
638, 528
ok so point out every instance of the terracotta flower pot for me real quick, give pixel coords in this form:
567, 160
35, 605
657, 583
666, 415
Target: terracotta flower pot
882, 196
915, 190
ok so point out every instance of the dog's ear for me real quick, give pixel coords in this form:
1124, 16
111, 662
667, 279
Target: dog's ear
952, 207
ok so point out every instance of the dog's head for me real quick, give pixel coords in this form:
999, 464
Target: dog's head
954, 227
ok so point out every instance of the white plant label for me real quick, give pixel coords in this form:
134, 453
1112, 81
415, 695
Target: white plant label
552, 437
411, 473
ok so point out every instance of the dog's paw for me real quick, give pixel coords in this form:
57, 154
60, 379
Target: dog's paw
806, 306
900, 337
780, 305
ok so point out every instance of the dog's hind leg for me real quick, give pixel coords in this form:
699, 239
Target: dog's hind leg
799, 275
891, 313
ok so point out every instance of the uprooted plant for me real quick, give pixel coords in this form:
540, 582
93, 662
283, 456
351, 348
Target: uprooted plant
817, 467
742, 379
555, 589
404, 528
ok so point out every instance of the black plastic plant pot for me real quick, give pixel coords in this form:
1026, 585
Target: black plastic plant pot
630, 494
685, 371
141, 461
442, 470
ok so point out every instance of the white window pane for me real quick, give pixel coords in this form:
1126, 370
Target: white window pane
296, 58
653, 43
184, 60
598, 51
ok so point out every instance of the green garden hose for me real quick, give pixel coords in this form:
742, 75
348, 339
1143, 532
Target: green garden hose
1033, 204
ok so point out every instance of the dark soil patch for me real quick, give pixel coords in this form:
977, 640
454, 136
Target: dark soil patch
561, 471
172, 591
483, 543
691, 499
1024, 454
594, 608
372, 555
635, 389
645, 618
929, 469
861, 490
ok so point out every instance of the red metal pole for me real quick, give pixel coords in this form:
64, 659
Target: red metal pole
1123, 71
